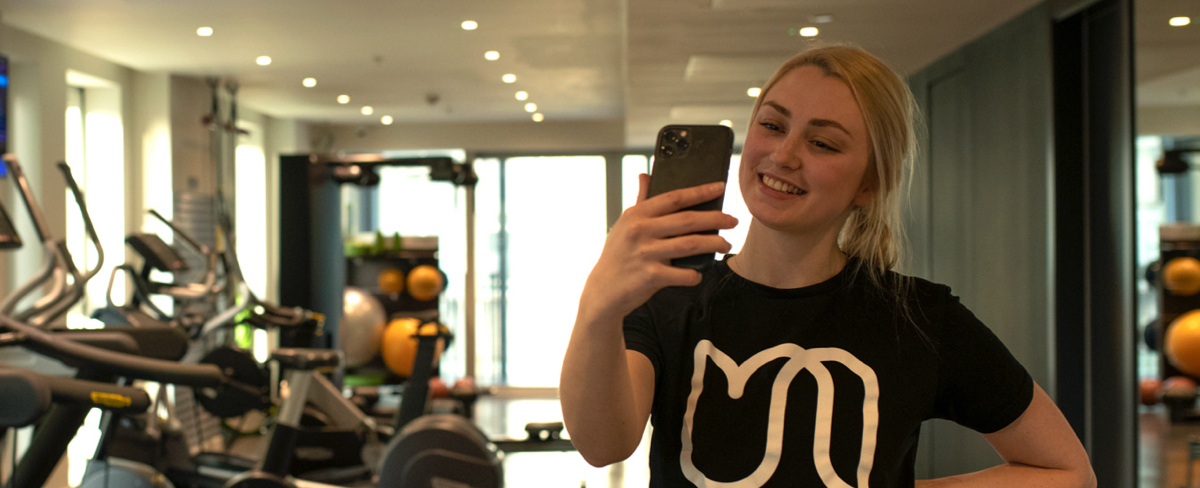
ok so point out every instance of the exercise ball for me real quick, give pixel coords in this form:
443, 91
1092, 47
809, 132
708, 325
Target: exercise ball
1149, 391
425, 282
360, 329
1181, 276
390, 281
1182, 344
1178, 387
399, 349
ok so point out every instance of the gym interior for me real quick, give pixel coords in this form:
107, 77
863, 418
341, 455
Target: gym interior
390, 208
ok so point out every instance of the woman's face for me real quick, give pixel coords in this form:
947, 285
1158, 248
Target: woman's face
805, 155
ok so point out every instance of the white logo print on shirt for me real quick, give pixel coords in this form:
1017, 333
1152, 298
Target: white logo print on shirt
799, 359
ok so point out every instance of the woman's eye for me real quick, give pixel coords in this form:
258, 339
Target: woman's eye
824, 146
769, 126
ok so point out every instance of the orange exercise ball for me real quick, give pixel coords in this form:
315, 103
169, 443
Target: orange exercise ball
390, 281
1182, 344
399, 349
1150, 391
1179, 387
425, 282
1181, 276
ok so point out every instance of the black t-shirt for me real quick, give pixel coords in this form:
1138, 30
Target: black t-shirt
825, 385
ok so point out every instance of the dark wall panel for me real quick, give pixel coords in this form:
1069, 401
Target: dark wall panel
1095, 236
985, 226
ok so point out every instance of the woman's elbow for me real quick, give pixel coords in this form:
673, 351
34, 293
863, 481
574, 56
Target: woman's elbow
1089, 478
601, 454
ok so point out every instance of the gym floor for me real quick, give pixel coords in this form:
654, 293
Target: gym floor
1164, 450
1163, 453
506, 418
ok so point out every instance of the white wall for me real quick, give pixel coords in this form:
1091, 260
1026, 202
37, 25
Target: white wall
37, 124
567, 135
1172, 121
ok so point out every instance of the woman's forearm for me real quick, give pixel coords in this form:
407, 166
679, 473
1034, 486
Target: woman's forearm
600, 408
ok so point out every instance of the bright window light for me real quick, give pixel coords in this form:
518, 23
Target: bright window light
470, 25
727, 123
343, 99
204, 31
522, 95
386, 120
1180, 21
368, 110
538, 117
531, 107
809, 32
509, 78
263, 60
754, 92
310, 82
491, 55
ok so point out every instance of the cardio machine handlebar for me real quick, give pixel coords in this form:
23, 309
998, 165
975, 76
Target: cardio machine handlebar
80, 355
30, 395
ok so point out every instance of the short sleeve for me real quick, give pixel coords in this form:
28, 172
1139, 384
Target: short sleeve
980, 384
641, 336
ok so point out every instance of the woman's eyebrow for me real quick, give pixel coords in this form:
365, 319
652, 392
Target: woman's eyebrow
779, 108
813, 122
828, 123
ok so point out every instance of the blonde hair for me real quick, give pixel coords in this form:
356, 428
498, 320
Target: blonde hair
874, 233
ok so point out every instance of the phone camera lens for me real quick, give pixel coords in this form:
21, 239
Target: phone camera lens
667, 150
670, 137
682, 144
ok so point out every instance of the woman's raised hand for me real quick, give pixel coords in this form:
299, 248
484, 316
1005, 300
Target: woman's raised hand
635, 262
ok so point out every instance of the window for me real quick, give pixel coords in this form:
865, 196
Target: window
95, 153
540, 227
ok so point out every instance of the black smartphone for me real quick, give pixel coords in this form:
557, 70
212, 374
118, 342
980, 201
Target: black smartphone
687, 156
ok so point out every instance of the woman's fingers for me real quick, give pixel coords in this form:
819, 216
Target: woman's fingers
676, 200
681, 223
643, 187
683, 246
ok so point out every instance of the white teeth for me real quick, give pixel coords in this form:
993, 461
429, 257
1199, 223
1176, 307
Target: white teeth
780, 186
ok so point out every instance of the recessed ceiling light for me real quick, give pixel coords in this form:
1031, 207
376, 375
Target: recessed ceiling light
310, 82
509, 78
809, 32
491, 55
1180, 21
386, 119
754, 92
522, 95
727, 123
470, 25
204, 31
343, 99
531, 107
538, 117
367, 110
820, 19
263, 60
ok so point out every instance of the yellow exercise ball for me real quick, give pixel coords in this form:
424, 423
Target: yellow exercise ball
425, 282
1181, 276
399, 349
1183, 343
390, 281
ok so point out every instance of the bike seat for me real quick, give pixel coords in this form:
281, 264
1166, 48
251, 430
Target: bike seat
307, 359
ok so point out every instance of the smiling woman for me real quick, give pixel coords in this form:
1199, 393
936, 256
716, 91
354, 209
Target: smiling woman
811, 294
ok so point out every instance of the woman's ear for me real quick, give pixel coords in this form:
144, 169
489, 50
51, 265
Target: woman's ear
866, 191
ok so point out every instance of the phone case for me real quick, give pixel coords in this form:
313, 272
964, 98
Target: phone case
687, 156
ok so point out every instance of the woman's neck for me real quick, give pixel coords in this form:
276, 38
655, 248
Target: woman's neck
782, 260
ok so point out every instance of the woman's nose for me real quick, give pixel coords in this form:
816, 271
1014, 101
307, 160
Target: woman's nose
788, 152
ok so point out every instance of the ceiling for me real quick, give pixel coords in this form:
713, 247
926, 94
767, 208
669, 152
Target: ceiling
648, 62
